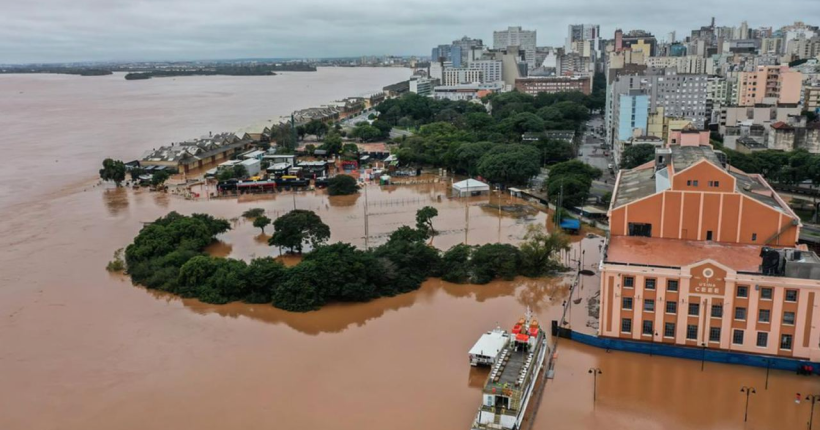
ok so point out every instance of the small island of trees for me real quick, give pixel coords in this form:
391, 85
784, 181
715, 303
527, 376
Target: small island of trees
169, 255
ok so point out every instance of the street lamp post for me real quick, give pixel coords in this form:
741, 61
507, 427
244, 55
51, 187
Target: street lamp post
703, 356
748, 391
814, 398
595, 371
768, 367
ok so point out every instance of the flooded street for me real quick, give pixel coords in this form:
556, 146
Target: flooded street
84, 349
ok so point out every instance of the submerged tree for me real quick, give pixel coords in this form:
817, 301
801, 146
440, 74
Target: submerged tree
113, 170
342, 185
159, 178
539, 250
297, 228
424, 219
261, 222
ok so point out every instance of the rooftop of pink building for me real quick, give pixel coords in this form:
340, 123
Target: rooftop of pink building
679, 253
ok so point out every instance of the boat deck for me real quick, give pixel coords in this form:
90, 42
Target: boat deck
512, 368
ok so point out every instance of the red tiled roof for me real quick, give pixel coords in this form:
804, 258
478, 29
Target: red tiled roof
780, 125
679, 253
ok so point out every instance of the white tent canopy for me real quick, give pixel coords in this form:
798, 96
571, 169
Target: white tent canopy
468, 187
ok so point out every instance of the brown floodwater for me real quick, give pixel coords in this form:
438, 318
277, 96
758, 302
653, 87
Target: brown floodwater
84, 349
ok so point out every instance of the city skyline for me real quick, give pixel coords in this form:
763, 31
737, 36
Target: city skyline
95, 30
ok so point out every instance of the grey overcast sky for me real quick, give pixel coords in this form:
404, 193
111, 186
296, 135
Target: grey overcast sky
105, 30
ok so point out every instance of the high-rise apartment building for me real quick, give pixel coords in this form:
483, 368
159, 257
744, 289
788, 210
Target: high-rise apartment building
769, 85
515, 36
582, 33
682, 96
463, 49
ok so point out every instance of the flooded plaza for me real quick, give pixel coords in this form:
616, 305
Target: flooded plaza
81, 348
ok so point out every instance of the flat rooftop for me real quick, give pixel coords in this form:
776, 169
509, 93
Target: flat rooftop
679, 253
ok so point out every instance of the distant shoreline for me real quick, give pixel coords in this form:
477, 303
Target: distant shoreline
148, 73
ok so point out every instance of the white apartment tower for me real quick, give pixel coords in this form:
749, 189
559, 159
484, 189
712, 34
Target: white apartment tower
515, 36
491, 70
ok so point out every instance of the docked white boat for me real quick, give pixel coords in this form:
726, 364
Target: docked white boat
513, 377
489, 345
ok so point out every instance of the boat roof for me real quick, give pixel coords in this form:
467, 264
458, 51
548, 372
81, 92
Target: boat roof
491, 343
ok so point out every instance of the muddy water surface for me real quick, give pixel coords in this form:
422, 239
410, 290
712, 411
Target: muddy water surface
83, 349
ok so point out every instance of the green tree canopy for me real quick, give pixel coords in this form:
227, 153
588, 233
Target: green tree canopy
495, 260
332, 143
510, 164
342, 185
468, 156
424, 219
261, 222
159, 178
636, 155
540, 249
297, 228
113, 170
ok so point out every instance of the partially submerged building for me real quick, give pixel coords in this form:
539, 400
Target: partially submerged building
703, 255
197, 153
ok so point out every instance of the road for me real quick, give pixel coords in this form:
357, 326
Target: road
592, 152
351, 121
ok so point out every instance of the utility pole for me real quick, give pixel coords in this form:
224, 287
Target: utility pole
366, 227
499, 216
467, 214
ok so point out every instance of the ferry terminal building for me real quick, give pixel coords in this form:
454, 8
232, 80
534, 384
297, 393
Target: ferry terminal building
703, 255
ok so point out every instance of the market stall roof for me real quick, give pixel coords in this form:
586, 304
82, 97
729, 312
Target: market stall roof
471, 185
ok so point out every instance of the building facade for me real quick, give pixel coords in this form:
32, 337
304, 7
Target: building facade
515, 36
491, 70
769, 85
703, 255
554, 84
462, 75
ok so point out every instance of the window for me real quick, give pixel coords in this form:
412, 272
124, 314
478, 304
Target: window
694, 309
629, 282
672, 285
640, 229
688, 183
740, 314
786, 341
649, 305
692, 332
714, 334
788, 318
717, 311
742, 291
737, 337
766, 293
626, 325
754, 237
672, 307
764, 316
650, 284
627, 303
791, 295
762, 339
708, 234
647, 327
